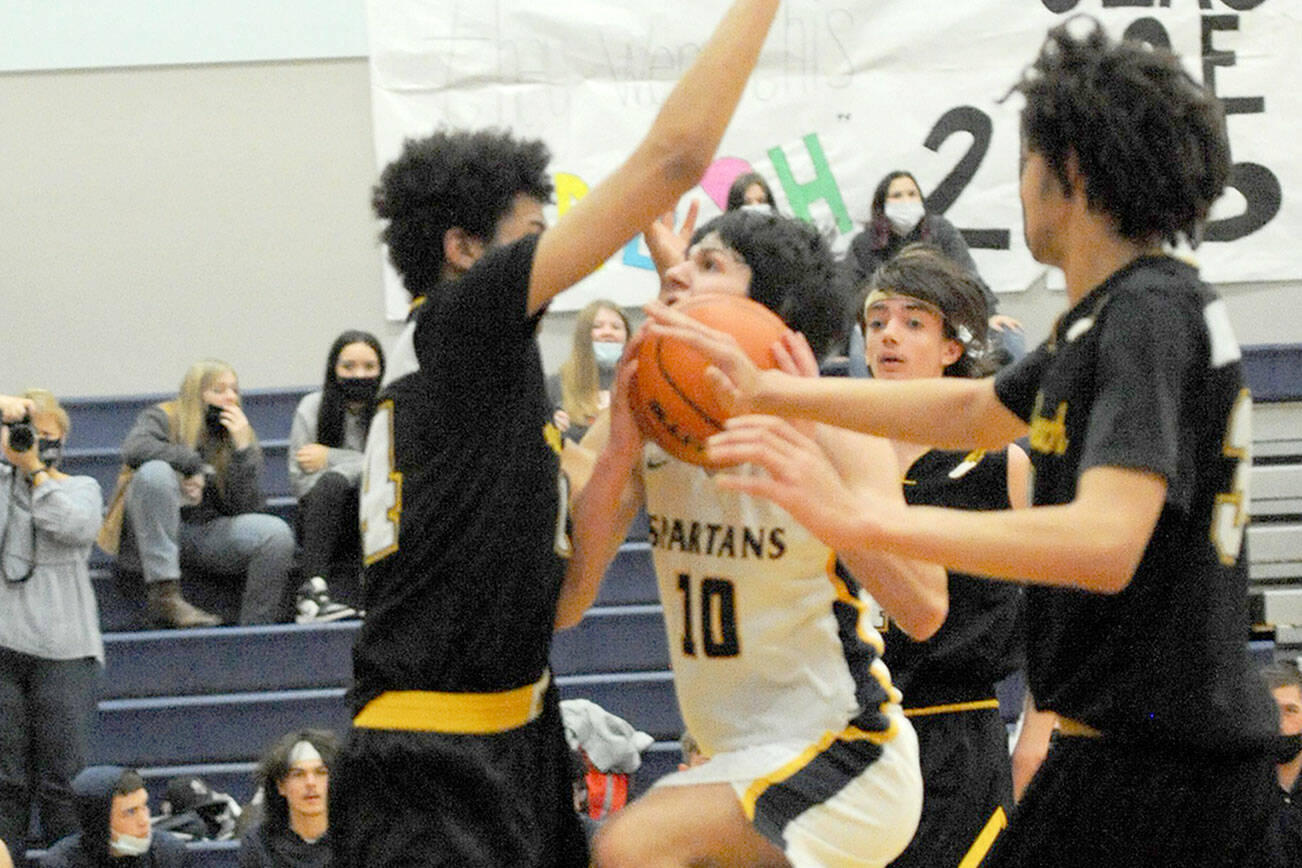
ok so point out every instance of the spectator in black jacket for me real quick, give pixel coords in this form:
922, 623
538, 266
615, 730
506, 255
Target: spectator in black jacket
115, 833
1283, 844
295, 779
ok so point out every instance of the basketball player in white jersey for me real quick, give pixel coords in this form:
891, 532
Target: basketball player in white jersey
776, 665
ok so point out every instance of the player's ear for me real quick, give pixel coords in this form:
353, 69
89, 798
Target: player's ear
950, 352
1075, 180
461, 249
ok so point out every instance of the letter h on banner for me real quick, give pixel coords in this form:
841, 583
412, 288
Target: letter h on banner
824, 185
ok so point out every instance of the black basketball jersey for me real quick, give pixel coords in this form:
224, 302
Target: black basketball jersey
464, 514
980, 641
1144, 373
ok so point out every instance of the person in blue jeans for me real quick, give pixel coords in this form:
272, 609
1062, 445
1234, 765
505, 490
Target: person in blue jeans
194, 500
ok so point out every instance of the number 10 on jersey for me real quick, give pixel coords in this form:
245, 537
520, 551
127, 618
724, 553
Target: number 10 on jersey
714, 630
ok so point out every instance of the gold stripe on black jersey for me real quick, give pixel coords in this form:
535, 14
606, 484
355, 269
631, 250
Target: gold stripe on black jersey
454, 713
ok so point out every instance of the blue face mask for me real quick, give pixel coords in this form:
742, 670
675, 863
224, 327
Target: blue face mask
607, 353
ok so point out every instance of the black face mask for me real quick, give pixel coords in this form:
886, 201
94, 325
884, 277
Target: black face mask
50, 451
212, 420
358, 388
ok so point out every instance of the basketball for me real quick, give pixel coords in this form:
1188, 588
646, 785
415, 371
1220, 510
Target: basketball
672, 399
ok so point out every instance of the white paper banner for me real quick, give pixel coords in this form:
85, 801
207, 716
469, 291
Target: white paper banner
843, 94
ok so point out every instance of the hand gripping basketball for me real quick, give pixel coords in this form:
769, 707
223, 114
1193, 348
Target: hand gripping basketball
673, 400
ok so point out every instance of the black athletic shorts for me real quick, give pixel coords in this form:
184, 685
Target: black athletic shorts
428, 799
967, 784
1099, 803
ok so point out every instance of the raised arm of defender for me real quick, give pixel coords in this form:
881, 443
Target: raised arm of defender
669, 161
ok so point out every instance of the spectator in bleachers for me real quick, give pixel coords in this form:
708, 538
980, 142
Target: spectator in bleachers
325, 466
899, 218
749, 188
115, 833
195, 499
581, 389
1283, 844
294, 777
50, 645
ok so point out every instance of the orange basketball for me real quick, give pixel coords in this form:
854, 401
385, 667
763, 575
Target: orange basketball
673, 401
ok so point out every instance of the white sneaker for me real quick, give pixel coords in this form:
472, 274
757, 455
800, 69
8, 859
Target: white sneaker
315, 606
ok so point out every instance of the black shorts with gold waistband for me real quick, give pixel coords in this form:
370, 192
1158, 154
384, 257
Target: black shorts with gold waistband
967, 783
410, 788
1100, 801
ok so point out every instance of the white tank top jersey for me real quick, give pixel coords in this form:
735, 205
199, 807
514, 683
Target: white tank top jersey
759, 655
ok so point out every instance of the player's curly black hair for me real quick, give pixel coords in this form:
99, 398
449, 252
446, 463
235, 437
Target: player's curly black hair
793, 272
461, 178
1150, 140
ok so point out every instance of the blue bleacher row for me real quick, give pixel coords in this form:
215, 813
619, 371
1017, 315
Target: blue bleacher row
208, 701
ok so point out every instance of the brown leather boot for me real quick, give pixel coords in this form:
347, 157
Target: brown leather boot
167, 608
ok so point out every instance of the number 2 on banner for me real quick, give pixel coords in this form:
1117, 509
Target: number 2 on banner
964, 119
381, 500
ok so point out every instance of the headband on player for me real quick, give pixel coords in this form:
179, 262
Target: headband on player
961, 332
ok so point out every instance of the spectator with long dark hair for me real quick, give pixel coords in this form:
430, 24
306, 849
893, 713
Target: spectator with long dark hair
749, 188
899, 217
325, 465
294, 776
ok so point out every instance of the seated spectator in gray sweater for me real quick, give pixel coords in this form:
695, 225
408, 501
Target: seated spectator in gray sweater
194, 500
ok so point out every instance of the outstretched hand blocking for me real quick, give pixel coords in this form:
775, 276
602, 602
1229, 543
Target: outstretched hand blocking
668, 244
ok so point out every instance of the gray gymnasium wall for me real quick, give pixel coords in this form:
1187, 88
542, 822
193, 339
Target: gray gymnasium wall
153, 215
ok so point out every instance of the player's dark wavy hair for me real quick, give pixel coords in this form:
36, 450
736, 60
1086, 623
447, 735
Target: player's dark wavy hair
330, 416
1150, 140
793, 272
274, 766
923, 272
452, 178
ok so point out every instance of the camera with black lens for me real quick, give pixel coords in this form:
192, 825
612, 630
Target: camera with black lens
22, 436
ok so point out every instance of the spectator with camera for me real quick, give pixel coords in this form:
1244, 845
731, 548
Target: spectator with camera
50, 645
191, 493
